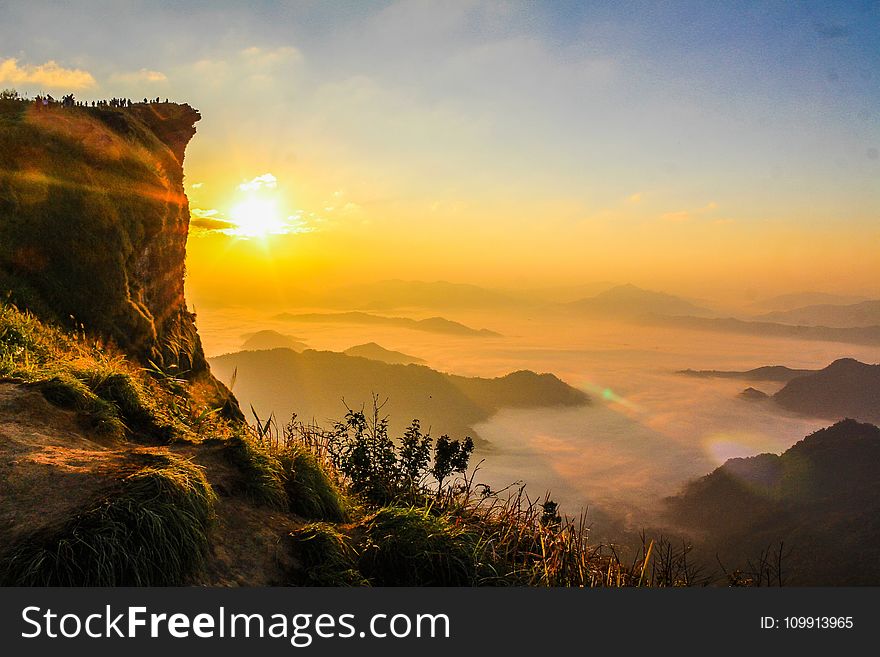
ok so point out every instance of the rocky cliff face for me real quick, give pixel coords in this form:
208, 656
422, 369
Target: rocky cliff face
94, 222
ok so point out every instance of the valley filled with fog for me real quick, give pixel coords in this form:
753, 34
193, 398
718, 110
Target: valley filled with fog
646, 431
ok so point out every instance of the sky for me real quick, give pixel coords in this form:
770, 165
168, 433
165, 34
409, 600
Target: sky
705, 148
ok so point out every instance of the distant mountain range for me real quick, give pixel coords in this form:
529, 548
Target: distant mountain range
269, 339
865, 313
821, 498
629, 301
865, 335
844, 389
801, 299
314, 384
432, 324
766, 373
374, 351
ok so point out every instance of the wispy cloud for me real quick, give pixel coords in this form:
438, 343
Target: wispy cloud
50, 74
266, 180
679, 216
143, 75
209, 221
213, 221
676, 217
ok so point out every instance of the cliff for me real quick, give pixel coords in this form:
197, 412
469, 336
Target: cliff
94, 222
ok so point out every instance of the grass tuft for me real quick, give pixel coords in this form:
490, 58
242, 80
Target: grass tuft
412, 547
326, 555
66, 391
116, 386
311, 492
153, 531
263, 474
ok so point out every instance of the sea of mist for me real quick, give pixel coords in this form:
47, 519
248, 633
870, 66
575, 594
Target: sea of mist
646, 433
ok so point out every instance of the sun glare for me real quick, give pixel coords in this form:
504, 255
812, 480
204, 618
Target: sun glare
256, 218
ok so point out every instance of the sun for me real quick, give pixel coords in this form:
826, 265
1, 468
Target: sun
256, 217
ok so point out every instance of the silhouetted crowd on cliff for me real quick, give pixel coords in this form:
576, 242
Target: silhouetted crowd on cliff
47, 101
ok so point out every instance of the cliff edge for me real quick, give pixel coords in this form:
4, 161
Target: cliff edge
94, 222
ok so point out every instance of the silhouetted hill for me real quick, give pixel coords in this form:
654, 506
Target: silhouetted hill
432, 324
765, 373
846, 388
821, 497
867, 335
866, 313
314, 384
269, 339
374, 351
561, 294
753, 394
629, 301
521, 389
801, 299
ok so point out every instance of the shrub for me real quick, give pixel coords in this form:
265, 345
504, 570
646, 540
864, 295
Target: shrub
382, 470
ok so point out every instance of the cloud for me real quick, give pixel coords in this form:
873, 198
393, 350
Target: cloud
636, 198
49, 74
295, 224
197, 185
143, 75
266, 180
252, 70
265, 57
680, 216
212, 225
212, 221
209, 221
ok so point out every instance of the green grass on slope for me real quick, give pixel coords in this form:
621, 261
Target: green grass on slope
152, 531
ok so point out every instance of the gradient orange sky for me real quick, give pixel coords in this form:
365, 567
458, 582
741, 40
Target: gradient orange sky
715, 151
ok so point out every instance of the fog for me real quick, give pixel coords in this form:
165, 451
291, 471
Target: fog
647, 431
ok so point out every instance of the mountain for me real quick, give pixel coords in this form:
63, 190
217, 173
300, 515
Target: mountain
844, 389
865, 335
765, 373
394, 294
629, 301
373, 351
431, 324
821, 498
801, 299
269, 339
561, 294
753, 394
314, 384
865, 313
